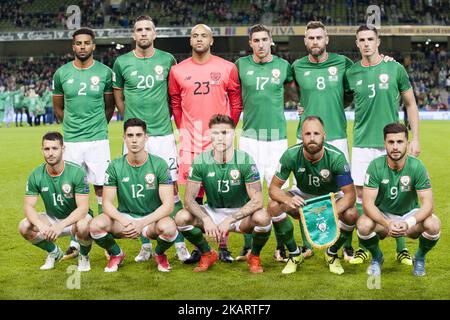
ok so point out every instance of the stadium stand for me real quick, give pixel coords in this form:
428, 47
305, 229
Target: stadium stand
42, 14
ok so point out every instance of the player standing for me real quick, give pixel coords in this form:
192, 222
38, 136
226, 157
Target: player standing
235, 199
141, 91
393, 183
263, 78
319, 168
64, 190
377, 86
144, 190
200, 87
83, 100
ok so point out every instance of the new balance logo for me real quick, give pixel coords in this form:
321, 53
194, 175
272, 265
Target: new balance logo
126, 179
301, 170
307, 73
187, 78
250, 72
45, 189
211, 174
70, 81
359, 82
385, 181
134, 73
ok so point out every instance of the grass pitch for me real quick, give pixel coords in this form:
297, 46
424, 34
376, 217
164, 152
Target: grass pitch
20, 277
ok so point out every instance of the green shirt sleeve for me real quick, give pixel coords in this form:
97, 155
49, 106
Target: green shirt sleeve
422, 181
341, 166
163, 173
402, 79
110, 76
57, 85
32, 189
372, 180
118, 78
111, 176
251, 173
81, 182
348, 64
195, 172
289, 73
284, 166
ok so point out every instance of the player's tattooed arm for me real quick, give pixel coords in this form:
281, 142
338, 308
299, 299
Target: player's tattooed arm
254, 191
192, 189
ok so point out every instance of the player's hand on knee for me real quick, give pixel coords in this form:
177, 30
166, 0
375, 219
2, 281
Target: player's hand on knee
396, 230
295, 202
211, 229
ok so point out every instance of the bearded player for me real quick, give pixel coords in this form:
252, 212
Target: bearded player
393, 185
319, 168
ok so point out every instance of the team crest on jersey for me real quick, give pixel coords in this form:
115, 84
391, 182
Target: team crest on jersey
215, 77
159, 72
333, 74
405, 180
95, 80
150, 179
325, 174
276, 73
235, 174
384, 81
67, 189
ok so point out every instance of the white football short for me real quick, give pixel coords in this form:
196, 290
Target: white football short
164, 147
361, 158
341, 144
266, 155
93, 156
67, 230
219, 214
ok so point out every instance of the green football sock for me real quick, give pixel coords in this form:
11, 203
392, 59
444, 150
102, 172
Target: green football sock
401, 243
84, 250
361, 246
180, 238
342, 240
109, 244
425, 245
372, 245
248, 239
162, 245
280, 244
259, 241
359, 208
285, 230
99, 208
46, 245
348, 240
144, 240
195, 236
303, 234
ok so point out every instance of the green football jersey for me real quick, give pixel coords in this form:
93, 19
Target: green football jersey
224, 183
58, 192
263, 97
322, 92
397, 190
327, 175
145, 85
84, 104
17, 99
138, 187
3, 96
376, 90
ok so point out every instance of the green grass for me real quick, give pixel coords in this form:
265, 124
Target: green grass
20, 277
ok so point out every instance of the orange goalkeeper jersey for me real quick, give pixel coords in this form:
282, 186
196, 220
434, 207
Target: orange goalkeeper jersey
197, 92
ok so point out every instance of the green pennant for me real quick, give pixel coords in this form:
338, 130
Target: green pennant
321, 221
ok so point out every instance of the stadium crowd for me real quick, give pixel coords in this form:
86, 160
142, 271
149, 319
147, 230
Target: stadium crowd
36, 15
